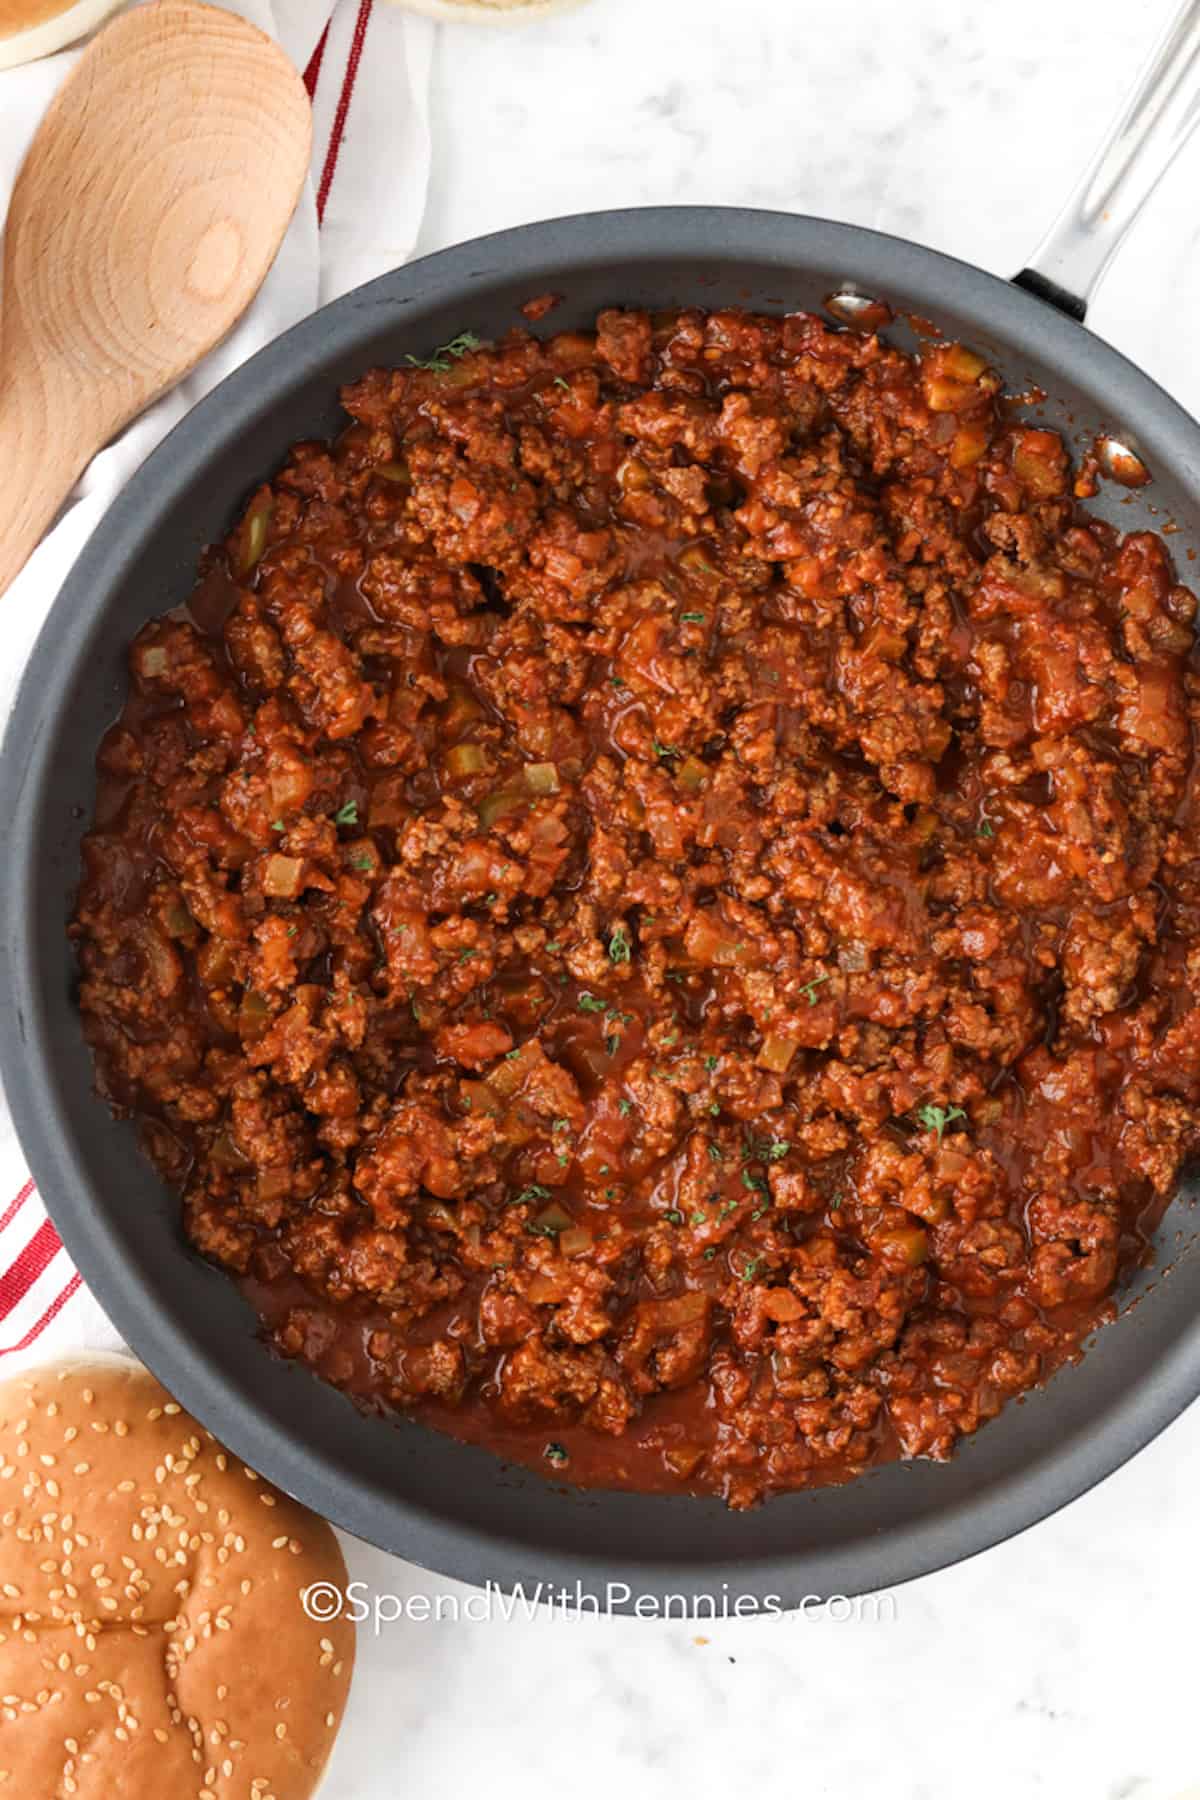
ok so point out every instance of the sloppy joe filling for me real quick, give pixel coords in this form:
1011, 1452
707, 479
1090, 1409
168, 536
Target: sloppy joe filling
649, 905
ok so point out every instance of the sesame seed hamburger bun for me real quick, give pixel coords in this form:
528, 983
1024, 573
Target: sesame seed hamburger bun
33, 28
153, 1644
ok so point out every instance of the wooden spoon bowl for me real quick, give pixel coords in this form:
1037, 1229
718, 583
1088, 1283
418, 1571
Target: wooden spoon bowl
148, 210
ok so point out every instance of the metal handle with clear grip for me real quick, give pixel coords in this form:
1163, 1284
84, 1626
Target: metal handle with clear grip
1151, 129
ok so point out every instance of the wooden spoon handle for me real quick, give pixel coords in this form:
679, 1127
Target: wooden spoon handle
42, 459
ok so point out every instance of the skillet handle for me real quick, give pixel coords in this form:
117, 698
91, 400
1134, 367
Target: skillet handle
1152, 127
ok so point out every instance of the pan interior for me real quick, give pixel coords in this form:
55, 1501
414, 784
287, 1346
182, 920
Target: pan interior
448, 1506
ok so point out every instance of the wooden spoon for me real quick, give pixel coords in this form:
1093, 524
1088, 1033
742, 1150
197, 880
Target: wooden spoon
147, 212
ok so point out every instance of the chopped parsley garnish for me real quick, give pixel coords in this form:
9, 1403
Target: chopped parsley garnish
750, 1270
589, 1003
673, 1216
347, 815
985, 830
362, 861
554, 1453
619, 947
716, 1153
936, 1118
692, 618
700, 1218
562, 382
527, 1195
664, 749
710, 1063
612, 1044
624, 1107
278, 825
439, 362
809, 990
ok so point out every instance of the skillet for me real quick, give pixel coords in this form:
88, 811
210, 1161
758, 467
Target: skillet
448, 1506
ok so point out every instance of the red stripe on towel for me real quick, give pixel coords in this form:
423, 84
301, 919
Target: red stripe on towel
15, 1206
343, 105
51, 1312
20, 1276
313, 72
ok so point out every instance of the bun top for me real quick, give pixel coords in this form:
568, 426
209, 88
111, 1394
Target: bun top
33, 28
152, 1636
483, 10
20, 15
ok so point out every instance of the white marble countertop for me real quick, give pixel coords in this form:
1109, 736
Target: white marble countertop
1059, 1663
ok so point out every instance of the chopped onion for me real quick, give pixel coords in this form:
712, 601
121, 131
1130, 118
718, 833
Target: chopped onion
283, 877
962, 364
777, 1053
465, 759
683, 1459
225, 1152
903, 1243
511, 1071
151, 662
254, 1014
545, 1290
541, 778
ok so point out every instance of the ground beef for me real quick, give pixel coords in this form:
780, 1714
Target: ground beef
649, 904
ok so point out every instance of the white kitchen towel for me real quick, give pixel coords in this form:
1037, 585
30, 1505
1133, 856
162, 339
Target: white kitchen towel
366, 66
